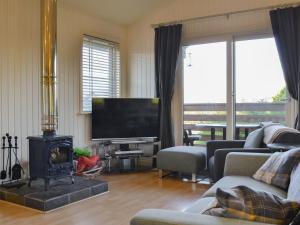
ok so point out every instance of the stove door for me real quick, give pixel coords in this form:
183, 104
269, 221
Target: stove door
59, 155
61, 159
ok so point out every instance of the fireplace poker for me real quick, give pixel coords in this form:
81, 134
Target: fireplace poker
9, 154
3, 172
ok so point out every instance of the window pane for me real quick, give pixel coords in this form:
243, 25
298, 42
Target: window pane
100, 70
205, 89
260, 85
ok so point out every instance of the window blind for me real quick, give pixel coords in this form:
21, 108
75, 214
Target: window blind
100, 70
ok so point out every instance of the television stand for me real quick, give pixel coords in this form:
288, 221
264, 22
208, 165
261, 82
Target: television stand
124, 147
124, 144
135, 152
132, 156
121, 142
127, 151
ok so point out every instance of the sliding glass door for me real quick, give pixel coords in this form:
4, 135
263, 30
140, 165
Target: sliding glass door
205, 90
260, 85
230, 87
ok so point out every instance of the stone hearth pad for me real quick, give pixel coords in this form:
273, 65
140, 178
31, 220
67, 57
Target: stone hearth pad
60, 193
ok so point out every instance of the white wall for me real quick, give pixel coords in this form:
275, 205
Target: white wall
141, 37
20, 66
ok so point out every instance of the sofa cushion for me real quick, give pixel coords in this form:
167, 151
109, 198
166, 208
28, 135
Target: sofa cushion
254, 139
277, 169
242, 202
294, 187
232, 181
201, 205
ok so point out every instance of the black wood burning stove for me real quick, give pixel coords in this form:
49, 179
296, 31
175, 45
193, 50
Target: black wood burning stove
50, 157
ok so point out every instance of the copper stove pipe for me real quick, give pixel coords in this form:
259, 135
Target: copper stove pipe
49, 66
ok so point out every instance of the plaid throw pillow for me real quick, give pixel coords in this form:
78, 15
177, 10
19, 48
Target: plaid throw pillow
277, 169
246, 204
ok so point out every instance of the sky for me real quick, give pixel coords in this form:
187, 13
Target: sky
259, 74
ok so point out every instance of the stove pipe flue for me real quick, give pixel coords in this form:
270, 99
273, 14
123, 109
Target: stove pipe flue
49, 66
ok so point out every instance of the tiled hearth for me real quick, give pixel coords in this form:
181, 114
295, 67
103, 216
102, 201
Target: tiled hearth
61, 193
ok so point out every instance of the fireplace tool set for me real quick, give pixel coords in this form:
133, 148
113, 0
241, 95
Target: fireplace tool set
10, 174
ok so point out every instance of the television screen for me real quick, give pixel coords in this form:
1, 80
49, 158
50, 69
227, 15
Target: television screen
125, 118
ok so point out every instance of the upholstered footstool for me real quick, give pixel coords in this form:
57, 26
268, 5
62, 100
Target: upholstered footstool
184, 159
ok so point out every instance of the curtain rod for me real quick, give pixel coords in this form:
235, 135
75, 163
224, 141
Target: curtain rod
225, 14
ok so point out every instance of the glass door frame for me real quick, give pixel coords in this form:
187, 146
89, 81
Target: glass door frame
231, 75
230, 105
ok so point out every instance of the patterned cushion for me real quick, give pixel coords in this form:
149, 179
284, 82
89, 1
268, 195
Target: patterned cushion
294, 187
244, 203
254, 139
277, 169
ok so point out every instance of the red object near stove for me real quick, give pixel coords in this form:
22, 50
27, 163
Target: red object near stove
86, 163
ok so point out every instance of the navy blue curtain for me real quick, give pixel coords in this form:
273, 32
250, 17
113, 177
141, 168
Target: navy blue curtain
286, 29
167, 47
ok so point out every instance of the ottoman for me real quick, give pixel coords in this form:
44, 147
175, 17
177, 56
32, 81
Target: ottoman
184, 159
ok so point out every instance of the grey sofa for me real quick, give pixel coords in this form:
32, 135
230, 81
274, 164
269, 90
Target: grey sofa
218, 150
239, 168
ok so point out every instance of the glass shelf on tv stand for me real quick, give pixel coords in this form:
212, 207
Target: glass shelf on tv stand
118, 155
132, 141
135, 155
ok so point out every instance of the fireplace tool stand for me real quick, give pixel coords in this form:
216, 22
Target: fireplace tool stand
11, 175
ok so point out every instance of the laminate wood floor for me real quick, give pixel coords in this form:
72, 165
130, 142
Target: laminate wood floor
128, 193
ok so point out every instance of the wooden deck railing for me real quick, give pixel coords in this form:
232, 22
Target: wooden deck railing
247, 113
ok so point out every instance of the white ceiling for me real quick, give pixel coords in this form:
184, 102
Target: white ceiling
122, 12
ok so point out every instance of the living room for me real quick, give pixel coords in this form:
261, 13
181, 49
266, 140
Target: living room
149, 112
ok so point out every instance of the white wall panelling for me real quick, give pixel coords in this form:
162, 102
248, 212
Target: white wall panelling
20, 69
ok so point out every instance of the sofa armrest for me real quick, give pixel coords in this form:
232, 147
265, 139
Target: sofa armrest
244, 164
167, 217
212, 146
220, 158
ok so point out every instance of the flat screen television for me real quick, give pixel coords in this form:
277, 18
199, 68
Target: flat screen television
117, 118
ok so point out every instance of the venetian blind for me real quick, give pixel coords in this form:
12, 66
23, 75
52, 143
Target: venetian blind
100, 70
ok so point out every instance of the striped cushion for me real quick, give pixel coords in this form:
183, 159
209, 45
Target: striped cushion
277, 169
244, 203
